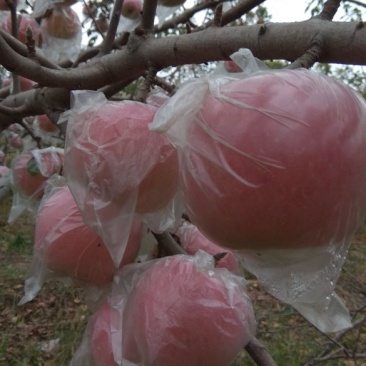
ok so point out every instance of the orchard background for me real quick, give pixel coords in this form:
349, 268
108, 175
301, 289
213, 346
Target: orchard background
152, 50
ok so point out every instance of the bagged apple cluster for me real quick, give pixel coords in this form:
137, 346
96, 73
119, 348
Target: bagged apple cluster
117, 169
274, 165
177, 310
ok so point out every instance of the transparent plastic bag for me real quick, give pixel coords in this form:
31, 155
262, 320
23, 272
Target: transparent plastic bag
274, 163
118, 170
177, 310
64, 247
29, 173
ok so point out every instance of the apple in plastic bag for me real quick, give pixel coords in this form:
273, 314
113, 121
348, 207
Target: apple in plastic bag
27, 174
45, 124
114, 155
131, 9
15, 140
24, 22
277, 160
180, 314
193, 240
73, 249
232, 66
63, 23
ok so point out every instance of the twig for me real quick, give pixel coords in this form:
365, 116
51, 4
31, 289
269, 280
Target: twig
359, 3
107, 44
258, 352
37, 139
148, 15
167, 242
146, 85
217, 19
170, 89
91, 15
329, 10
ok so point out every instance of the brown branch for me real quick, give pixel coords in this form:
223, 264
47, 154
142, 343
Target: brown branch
107, 44
170, 89
359, 3
91, 15
171, 247
146, 85
330, 9
217, 19
37, 139
258, 352
148, 15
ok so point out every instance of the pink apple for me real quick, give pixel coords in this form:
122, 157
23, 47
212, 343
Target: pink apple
63, 22
192, 240
116, 157
231, 66
15, 140
4, 170
276, 160
73, 249
27, 175
25, 21
131, 9
181, 314
25, 84
46, 124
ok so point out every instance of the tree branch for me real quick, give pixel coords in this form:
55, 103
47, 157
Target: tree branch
148, 15
259, 353
330, 9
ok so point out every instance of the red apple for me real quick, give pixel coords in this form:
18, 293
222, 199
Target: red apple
193, 240
73, 249
117, 159
180, 314
275, 160
25, 84
171, 3
231, 66
24, 21
46, 124
29, 176
63, 22
15, 140
131, 9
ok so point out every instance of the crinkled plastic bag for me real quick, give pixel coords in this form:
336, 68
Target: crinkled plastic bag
64, 247
29, 173
177, 310
117, 170
61, 34
274, 163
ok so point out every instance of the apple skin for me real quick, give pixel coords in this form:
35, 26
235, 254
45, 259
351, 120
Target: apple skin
30, 182
46, 124
131, 9
63, 23
73, 249
193, 240
25, 22
291, 167
115, 156
171, 3
193, 317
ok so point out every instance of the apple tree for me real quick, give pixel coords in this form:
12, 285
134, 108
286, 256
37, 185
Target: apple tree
165, 147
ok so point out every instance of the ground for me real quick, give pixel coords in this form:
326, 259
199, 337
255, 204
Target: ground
47, 330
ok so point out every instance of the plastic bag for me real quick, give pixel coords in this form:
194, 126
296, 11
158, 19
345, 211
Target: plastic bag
64, 247
61, 34
275, 163
177, 310
29, 173
41, 6
118, 170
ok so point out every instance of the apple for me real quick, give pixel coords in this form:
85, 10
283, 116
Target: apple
118, 159
193, 240
73, 249
63, 22
29, 176
131, 9
231, 66
274, 161
25, 84
46, 124
182, 313
24, 21
171, 3
15, 140
4, 170
100, 337
4, 5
